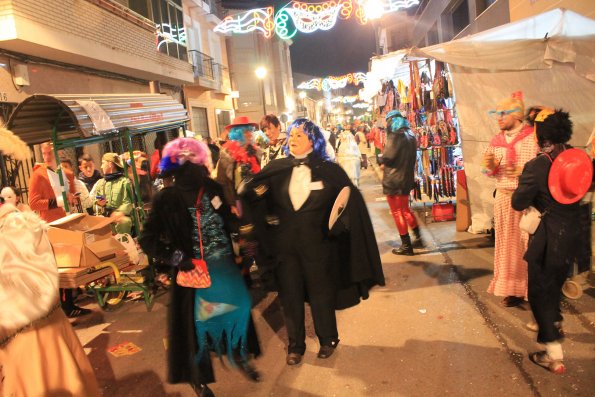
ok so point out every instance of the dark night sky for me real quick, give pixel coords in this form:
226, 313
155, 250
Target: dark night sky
346, 48
343, 49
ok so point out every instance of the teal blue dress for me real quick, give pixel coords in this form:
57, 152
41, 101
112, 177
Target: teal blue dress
222, 311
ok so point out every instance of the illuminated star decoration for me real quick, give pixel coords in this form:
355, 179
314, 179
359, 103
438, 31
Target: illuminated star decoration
258, 19
333, 82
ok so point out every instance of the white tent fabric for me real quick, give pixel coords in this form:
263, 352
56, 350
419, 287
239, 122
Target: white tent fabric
557, 70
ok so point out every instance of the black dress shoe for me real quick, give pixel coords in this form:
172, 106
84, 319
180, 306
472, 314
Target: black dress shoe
76, 312
326, 351
294, 358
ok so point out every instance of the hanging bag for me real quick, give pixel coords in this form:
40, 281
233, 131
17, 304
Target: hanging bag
531, 217
199, 276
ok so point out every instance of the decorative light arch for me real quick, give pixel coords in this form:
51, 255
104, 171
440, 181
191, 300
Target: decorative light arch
333, 82
307, 17
258, 19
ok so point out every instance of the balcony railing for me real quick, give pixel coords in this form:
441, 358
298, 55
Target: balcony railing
202, 64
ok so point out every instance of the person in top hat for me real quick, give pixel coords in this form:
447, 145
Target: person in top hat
239, 161
113, 193
503, 160
398, 161
290, 202
553, 183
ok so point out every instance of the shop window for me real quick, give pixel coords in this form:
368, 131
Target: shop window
200, 122
223, 119
171, 34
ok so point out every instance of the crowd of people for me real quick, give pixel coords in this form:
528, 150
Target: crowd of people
224, 207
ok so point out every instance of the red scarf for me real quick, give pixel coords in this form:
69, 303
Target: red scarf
500, 141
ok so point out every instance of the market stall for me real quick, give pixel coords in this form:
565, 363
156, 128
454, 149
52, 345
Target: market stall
420, 89
79, 120
548, 57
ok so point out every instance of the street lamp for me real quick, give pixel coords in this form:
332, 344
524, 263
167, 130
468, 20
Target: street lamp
261, 73
374, 10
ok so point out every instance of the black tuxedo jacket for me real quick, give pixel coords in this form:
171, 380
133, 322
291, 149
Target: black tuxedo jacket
355, 260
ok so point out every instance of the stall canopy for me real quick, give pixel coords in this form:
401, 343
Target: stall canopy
85, 116
549, 57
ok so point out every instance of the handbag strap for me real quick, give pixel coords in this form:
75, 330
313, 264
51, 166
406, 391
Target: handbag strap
197, 207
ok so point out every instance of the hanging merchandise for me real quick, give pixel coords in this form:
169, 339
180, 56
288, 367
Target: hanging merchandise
427, 103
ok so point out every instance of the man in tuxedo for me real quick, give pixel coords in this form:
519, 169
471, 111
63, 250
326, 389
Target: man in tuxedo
294, 197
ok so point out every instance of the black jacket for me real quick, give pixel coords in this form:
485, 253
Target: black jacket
557, 237
398, 159
355, 260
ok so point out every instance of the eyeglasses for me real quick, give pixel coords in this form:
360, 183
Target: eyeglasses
502, 113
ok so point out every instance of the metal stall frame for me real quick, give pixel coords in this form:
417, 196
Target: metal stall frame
79, 120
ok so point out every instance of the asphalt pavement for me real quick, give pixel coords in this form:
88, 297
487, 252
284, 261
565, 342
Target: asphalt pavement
431, 331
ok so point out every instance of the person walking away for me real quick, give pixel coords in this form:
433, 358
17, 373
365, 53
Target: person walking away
294, 197
504, 160
190, 221
349, 156
398, 163
362, 144
113, 193
553, 183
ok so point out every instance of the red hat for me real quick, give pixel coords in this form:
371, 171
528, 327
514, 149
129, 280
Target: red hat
242, 120
570, 176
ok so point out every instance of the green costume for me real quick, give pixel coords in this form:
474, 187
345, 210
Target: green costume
118, 196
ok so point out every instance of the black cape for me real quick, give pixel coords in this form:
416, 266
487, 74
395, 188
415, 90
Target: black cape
356, 264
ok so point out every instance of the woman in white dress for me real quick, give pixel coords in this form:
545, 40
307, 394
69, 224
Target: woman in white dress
349, 156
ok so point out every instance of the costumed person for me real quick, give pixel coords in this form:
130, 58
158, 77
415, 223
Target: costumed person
553, 183
239, 160
45, 198
292, 199
504, 160
190, 221
349, 156
271, 126
12, 195
113, 194
33, 329
88, 174
398, 163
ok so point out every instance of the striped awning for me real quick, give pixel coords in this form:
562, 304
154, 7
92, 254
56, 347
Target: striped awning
82, 116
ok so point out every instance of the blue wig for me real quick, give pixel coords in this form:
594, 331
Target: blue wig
396, 121
237, 133
314, 135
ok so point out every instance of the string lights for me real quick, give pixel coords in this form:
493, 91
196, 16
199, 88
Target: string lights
333, 82
258, 19
308, 17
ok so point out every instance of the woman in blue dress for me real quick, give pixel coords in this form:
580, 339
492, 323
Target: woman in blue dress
200, 320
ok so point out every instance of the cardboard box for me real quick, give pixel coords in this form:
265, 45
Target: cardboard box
81, 240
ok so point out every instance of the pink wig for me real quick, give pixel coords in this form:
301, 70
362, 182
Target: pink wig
180, 150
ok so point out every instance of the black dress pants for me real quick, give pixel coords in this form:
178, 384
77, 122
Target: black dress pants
304, 273
544, 290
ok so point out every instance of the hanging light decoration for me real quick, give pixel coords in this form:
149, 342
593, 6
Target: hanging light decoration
308, 17
333, 82
258, 19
